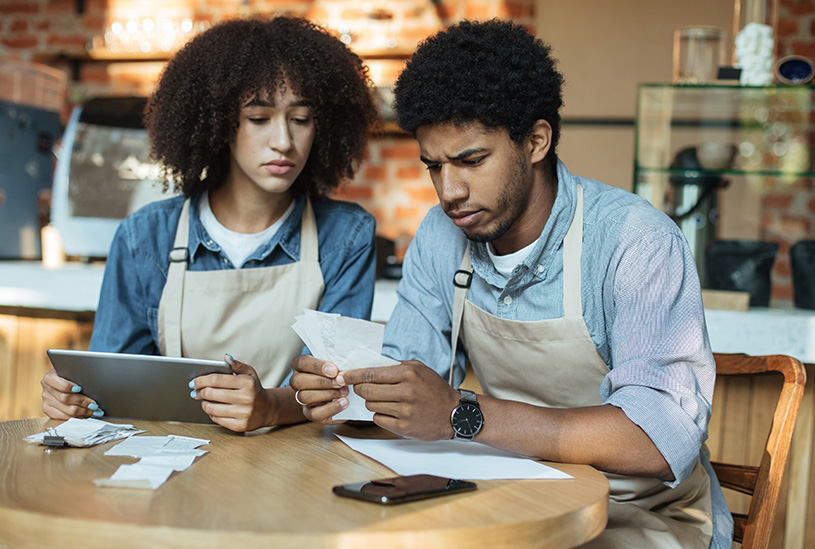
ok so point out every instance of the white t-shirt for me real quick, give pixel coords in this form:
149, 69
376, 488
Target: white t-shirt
505, 264
237, 246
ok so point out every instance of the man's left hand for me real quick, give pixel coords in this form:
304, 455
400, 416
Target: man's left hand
409, 399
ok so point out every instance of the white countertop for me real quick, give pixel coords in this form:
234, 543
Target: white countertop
75, 287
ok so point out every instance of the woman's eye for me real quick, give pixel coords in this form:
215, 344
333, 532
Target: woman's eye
257, 119
301, 120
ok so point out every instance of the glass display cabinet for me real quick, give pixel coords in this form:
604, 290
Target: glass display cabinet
700, 149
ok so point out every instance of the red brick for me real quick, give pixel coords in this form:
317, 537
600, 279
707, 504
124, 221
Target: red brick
24, 41
516, 10
407, 212
376, 173
19, 7
410, 172
781, 267
354, 192
410, 150
422, 194
60, 6
807, 49
95, 22
74, 41
43, 24
811, 205
795, 225
18, 25
778, 201
786, 27
782, 292
799, 7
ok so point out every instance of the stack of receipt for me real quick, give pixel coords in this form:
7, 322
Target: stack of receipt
82, 433
350, 343
160, 456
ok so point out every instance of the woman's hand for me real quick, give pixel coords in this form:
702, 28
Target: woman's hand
62, 399
238, 402
320, 388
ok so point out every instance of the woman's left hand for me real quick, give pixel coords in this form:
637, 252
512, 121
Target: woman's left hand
238, 402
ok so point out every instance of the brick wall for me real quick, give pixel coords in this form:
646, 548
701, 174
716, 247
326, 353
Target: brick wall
788, 206
392, 183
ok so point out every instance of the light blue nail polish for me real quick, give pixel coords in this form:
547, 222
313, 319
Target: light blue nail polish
76, 389
98, 413
93, 406
193, 394
229, 357
192, 384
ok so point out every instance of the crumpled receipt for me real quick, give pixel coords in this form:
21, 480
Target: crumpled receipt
350, 343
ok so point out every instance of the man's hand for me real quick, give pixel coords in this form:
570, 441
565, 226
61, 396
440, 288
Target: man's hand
238, 402
320, 387
409, 399
62, 399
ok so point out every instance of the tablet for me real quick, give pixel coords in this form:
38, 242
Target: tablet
154, 388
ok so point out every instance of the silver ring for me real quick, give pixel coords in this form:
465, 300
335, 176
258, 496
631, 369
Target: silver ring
297, 398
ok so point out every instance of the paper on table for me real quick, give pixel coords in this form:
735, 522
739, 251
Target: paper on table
86, 432
137, 475
451, 459
144, 446
347, 342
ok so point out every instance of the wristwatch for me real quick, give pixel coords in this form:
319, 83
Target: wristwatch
466, 419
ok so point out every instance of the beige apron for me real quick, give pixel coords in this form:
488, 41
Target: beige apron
554, 363
245, 312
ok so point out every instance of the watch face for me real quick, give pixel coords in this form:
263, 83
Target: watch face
467, 420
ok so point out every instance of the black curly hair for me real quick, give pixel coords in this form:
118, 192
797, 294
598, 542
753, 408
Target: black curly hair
494, 72
193, 114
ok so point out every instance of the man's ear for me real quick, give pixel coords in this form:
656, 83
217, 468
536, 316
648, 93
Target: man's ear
540, 141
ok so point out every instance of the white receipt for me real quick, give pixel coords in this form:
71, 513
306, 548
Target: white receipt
350, 343
452, 459
160, 457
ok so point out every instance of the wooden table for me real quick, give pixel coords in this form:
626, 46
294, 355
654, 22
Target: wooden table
272, 489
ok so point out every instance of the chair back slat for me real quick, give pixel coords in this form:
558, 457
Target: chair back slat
763, 482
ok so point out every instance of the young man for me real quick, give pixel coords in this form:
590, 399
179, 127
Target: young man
577, 304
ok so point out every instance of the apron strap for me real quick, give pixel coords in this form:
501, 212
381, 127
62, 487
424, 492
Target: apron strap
174, 287
572, 251
461, 280
309, 244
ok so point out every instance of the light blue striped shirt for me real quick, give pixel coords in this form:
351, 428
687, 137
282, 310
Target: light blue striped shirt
641, 302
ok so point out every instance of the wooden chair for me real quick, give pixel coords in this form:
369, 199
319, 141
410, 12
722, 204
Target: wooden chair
763, 483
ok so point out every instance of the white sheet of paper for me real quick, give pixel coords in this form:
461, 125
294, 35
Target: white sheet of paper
143, 446
361, 357
451, 459
137, 475
86, 432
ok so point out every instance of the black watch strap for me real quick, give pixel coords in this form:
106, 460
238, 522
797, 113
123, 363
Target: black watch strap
469, 397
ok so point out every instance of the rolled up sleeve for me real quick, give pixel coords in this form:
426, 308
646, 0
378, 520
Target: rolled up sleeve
662, 371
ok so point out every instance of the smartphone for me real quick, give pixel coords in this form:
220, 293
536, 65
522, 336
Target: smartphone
388, 491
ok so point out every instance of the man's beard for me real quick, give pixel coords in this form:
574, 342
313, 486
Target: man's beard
512, 202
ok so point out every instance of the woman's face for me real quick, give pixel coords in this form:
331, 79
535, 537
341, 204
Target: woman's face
272, 143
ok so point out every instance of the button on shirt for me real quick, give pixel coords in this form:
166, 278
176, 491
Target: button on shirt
641, 303
136, 270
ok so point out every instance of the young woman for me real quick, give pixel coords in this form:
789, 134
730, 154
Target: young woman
254, 121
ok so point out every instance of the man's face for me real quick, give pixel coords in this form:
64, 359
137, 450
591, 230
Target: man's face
483, 179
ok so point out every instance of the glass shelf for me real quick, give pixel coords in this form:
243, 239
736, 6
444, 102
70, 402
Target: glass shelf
709, 148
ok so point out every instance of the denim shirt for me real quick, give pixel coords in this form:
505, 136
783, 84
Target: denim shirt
641, 303
136, 270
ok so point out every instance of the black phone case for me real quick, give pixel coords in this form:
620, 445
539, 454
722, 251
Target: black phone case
395, 490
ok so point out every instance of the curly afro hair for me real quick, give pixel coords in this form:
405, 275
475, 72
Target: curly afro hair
193, 114
493, 72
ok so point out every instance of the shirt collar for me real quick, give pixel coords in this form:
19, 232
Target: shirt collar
288, 237
539, 261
